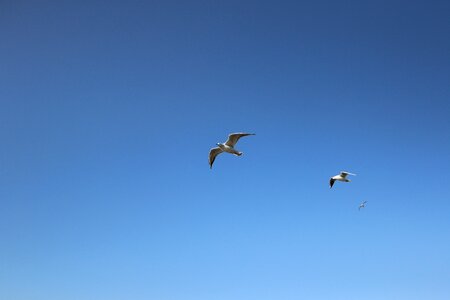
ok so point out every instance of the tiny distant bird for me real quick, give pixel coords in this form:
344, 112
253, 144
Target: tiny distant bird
228, 146
362, 205
341, 177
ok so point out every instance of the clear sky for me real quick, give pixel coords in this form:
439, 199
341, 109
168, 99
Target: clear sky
108, 110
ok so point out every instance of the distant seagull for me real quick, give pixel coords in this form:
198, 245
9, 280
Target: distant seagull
228, 146
341, 177
362, 205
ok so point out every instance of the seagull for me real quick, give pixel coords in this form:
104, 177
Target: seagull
228, 146
341, 177
362, 205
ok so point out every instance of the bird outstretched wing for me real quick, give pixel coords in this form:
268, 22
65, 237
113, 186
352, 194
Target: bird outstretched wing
212, 155
233, 138
332, 182
344, 174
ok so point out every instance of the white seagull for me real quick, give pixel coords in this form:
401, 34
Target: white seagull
341, 177
228, 146
362, 205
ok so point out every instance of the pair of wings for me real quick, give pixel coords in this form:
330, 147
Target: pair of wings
343, 174
362, 205
233, 138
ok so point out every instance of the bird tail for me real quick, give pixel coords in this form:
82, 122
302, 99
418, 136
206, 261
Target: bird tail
239, 153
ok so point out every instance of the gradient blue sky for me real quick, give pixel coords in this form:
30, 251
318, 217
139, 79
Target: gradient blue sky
108, 111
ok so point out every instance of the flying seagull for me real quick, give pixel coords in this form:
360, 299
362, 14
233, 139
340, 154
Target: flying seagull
341, 177
362, 205
228, 146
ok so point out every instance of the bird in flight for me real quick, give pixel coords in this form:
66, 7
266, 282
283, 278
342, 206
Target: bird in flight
340, 177
228, 146
362, 205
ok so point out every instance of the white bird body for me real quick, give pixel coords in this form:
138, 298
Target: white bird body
340, 177
228, 147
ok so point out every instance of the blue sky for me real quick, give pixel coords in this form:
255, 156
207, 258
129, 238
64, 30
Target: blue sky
108, 110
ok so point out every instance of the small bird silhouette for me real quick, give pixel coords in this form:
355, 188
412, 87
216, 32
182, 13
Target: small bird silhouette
340, 177
228, 146
362, 205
